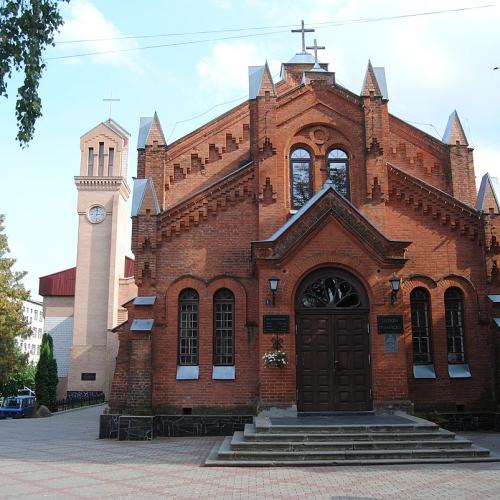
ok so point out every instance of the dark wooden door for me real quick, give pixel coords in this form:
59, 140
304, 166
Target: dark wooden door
333, 372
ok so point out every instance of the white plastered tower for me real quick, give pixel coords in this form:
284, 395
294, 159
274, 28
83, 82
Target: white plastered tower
102, 194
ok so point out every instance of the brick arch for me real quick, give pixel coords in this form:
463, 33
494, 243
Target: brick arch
240, 297
342, 262
314, 125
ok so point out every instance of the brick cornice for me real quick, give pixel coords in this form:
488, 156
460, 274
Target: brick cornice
434, 202
200, 135
236, 186
86, 183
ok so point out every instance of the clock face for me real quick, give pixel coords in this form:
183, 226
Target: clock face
97, 214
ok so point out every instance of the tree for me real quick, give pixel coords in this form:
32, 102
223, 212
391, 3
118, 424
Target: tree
27, 27
12, 323
21, 378
46, 375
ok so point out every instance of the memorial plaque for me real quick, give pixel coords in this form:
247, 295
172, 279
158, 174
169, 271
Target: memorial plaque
276, 323
390, 342
88, 376
390, 324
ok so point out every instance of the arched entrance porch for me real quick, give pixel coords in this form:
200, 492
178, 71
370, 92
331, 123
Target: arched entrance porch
333, 346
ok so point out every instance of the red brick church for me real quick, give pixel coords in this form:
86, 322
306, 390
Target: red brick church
311, 227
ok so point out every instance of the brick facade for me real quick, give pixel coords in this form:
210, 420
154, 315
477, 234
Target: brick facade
216, 197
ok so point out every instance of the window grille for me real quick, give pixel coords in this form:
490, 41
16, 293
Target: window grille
454, 313
224, 328
188, 327
420, 326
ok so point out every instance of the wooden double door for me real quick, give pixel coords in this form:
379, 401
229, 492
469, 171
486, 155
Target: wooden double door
333, 361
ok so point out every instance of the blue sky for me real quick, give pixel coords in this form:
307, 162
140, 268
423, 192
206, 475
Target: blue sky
434, 64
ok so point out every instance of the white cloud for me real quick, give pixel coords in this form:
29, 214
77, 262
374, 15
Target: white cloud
225, 70
486, 160
83, 21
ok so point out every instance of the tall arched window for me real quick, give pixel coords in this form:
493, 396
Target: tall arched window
338, 171
300, 172
420, 325
454, 313
188, 327
223, 328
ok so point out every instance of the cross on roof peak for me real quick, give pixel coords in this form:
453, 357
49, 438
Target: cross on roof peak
303, 30
315, 48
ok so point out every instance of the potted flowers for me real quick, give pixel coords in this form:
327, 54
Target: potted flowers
276, 357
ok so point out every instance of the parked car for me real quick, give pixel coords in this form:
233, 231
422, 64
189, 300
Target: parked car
18, 407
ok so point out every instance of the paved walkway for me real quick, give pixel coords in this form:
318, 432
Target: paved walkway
61, 457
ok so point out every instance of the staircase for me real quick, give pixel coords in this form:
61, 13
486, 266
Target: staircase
344, 440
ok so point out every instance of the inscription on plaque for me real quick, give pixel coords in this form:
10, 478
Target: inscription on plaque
276, 323
390, 324
390, 342
88, 376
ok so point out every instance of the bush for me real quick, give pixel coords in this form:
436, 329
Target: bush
46, 375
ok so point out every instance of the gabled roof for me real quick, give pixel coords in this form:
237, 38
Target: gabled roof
147, 125
141, 186
454, 133
326, 202
117, 127
489, 187
113, 126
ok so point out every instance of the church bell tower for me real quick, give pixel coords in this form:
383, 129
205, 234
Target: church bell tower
102, 221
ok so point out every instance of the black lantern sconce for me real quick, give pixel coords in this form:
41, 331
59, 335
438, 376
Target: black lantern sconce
395, 282
274, 281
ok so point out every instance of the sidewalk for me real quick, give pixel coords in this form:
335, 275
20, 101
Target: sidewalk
61, 457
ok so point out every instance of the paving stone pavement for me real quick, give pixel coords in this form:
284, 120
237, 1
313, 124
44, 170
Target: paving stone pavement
61, 457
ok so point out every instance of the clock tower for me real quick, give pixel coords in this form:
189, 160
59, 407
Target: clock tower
102, 221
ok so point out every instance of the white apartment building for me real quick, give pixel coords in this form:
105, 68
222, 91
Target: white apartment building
33, 313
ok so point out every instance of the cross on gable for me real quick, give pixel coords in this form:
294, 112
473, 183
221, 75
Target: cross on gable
315, 48
303, 31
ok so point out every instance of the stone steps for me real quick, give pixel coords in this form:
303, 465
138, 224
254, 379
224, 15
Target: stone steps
239, 442
287, 442
251, 434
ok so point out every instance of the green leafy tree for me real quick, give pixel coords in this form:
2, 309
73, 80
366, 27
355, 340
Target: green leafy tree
21, 378
12, 322
46, 375
27, 27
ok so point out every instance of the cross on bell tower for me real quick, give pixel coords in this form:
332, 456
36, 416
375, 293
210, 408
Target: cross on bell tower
303, 30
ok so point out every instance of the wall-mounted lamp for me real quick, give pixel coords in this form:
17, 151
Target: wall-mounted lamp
395, 282
274, 281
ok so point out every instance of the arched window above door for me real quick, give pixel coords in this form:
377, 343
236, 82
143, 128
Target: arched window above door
332, 289
300, 174
338, 171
